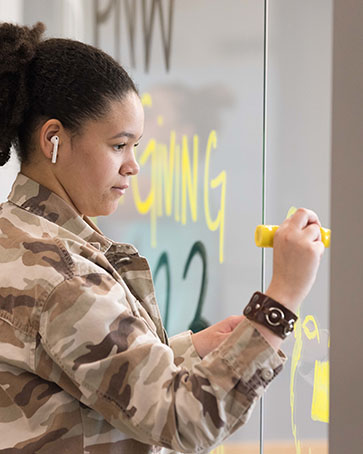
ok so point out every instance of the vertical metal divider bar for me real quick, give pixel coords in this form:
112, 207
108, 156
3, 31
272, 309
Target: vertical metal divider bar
263, 214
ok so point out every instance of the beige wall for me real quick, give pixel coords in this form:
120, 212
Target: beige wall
346, 424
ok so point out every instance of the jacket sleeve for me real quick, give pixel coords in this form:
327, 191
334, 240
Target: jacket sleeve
184, 352
113, 362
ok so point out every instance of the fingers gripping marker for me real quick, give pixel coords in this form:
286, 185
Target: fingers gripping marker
264, 234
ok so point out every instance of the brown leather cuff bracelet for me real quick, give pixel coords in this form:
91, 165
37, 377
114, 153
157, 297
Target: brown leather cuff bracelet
264, 310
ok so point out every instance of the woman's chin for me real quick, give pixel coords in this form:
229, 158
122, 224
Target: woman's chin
102, 211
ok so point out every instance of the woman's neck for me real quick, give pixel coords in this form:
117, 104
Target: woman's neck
43, 175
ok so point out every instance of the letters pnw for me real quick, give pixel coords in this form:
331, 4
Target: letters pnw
137, 14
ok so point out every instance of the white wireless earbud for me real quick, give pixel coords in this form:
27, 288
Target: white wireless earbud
55, 142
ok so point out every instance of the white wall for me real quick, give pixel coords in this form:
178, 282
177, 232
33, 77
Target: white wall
11, 11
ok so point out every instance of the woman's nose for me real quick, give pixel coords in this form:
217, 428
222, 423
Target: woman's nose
130, 167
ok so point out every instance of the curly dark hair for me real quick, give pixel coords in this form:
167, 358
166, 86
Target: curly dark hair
53, 78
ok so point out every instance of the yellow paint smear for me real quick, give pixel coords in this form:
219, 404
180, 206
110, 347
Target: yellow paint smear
320, 403
320, 400
292, 210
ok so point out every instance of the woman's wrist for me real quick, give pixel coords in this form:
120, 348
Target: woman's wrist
278, 293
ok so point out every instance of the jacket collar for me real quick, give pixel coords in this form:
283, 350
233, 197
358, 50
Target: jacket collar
39, 200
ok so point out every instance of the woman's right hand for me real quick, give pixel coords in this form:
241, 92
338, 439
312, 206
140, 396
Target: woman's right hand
296, 257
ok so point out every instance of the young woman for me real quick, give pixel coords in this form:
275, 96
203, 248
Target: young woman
85, 364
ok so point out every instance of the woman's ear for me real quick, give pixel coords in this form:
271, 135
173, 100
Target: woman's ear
49, 146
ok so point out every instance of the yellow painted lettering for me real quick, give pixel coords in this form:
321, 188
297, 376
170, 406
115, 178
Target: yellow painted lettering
167, 162
311, 334
146, 100
159, 152
144, 206
220, 180
177, 184
189, 181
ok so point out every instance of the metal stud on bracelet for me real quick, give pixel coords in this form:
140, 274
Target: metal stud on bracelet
266, 311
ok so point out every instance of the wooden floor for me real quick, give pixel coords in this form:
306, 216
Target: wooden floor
307, 447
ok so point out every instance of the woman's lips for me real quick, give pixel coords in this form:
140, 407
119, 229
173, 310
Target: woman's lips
120, 189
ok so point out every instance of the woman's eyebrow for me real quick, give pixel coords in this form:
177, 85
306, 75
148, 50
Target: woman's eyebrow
125, 134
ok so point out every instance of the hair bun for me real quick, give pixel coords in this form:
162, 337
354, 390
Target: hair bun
17, 48
18, 45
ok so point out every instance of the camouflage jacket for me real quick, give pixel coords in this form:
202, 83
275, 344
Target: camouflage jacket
85, 364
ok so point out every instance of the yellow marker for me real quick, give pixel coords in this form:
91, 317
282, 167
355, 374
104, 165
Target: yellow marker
264, 235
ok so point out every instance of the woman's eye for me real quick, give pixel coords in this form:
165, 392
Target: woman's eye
119, 146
